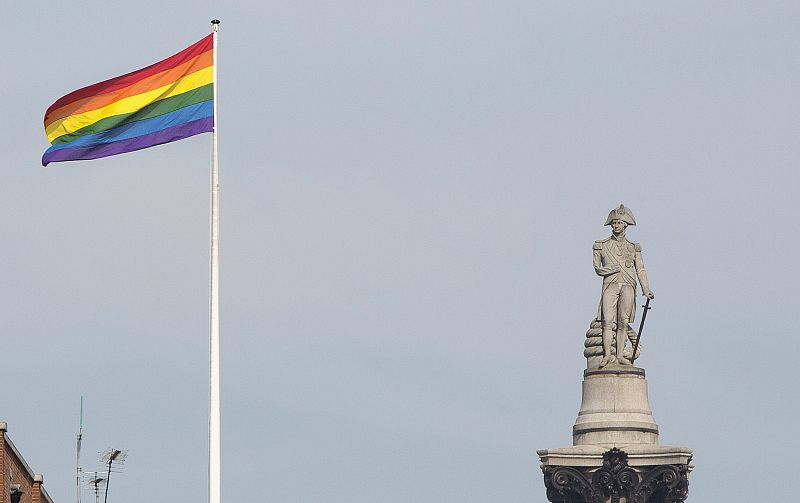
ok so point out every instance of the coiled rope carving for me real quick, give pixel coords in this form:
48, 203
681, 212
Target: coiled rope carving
594, 341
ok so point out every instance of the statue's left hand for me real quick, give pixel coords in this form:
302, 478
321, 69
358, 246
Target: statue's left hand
649, 294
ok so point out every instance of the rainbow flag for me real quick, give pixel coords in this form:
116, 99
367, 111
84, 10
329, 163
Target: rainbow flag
164, 102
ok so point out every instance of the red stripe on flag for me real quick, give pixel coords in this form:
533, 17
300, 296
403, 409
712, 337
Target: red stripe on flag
126, 80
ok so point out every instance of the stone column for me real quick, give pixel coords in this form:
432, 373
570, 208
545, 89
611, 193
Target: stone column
617, 481
615, 456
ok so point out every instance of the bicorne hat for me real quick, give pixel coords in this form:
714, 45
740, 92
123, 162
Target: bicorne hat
621, 213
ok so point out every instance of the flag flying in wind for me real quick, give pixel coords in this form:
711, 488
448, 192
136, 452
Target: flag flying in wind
167, 101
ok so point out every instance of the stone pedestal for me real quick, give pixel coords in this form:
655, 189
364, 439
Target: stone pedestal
615, 409
615, 456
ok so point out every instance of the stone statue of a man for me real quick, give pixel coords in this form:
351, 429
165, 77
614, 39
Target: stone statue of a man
619, 262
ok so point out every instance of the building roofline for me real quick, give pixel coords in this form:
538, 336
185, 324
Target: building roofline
3, 427
18, 455
45, 496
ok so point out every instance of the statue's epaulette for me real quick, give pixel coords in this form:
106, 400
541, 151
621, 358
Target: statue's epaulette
598, 245
637, 247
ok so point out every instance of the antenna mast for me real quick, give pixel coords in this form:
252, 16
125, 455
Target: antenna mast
95, 482
112, 456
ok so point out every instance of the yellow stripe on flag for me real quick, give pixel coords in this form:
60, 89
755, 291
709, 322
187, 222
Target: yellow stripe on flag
131, 104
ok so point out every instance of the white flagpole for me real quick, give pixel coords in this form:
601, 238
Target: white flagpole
214, 452
78, 456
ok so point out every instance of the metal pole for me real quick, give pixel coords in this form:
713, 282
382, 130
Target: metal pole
214, 453
108, 479
78, 457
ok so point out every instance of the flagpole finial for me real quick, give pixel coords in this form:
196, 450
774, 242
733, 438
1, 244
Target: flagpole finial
215, 21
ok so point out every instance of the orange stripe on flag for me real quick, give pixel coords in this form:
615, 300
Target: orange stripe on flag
155, 81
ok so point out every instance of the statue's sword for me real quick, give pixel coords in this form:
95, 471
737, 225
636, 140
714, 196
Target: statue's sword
646, 307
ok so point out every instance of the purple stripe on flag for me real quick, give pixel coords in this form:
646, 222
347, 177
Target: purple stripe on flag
167, 135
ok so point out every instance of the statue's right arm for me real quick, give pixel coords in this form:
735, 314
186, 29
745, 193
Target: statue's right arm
598, 264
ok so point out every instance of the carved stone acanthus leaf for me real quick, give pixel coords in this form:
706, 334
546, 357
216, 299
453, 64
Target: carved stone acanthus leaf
668, 484
615, 481
568, 485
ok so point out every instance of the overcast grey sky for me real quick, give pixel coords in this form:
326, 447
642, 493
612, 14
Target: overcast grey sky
410, 192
